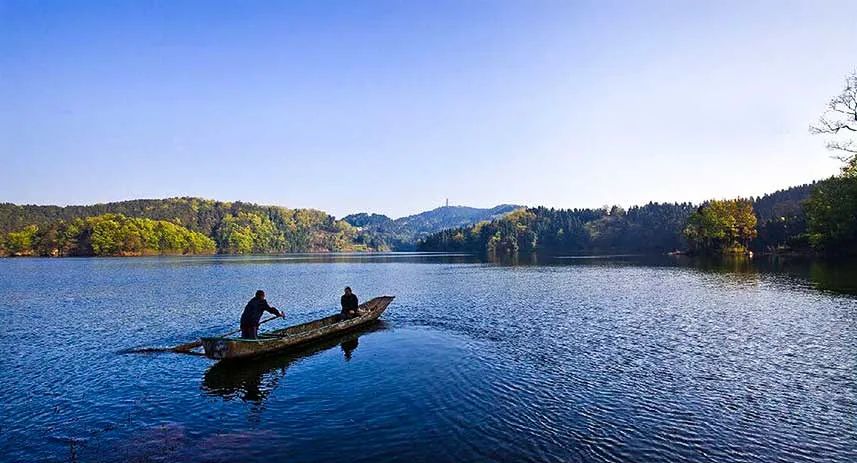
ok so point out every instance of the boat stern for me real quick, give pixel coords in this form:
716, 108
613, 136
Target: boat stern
217, 348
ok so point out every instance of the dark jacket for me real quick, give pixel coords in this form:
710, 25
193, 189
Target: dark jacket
349, 302
253, 312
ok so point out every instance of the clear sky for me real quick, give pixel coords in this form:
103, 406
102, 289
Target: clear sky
392, 107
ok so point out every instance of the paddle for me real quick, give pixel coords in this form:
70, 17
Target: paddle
188, 346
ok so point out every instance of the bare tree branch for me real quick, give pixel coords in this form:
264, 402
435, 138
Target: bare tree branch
848, 147
841, 114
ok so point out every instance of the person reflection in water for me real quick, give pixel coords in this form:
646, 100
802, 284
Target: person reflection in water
349, 303
348, 347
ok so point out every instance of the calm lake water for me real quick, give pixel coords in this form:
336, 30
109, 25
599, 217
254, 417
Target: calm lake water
609, 359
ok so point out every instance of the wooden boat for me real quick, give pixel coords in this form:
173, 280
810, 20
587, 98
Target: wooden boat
222, 348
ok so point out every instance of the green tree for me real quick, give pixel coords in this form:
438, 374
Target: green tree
108, 235
831, 214
21, 243
267, 229
104, 237
722, 226
235, 238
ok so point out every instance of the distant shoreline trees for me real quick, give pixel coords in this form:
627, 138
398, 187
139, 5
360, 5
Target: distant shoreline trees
653, 228
235, 228
812, 218
107, 235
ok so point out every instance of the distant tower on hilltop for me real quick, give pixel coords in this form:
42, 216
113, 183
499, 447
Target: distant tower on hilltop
447, 202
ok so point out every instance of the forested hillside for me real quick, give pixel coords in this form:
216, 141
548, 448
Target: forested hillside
235, 228
651, 228
781, 218
381, 232
820, 217
242, 228
782, 203
817, 217
106, 235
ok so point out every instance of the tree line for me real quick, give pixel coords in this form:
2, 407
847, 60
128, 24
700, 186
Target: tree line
820, 218
655, 227
813, 218
234, 228
106, 235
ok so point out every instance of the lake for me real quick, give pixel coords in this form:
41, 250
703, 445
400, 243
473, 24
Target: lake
563, 359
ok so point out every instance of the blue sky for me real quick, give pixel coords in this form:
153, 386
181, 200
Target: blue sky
392, 107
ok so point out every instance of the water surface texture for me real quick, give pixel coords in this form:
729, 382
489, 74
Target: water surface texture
594, 360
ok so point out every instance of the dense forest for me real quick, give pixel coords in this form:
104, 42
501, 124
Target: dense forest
234, 228
814, 218
831, 215
782, 203
654, 227
107, 235
781, 220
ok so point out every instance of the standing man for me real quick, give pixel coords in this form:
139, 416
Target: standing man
253, 312
349, 303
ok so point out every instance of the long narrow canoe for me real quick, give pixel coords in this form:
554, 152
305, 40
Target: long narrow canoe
221, 348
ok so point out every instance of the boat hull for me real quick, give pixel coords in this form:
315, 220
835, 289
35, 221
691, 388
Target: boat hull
220, 348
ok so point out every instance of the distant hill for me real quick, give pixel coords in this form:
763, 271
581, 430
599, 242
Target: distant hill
379, 231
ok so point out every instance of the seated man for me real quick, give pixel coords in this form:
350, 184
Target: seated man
349, 303
253, 312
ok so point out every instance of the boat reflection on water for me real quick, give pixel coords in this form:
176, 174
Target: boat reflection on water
254, 380
349, 346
